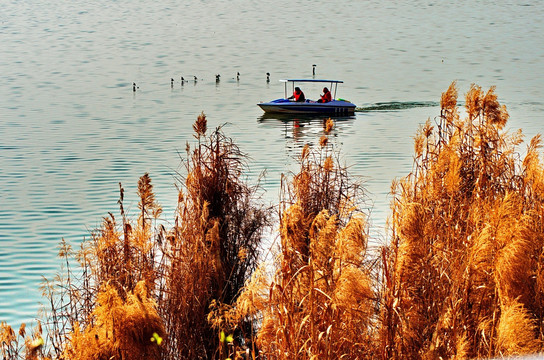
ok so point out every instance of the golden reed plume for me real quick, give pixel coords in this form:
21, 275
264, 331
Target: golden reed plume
463, 265
320, 302
211, 251
461, 277
145, 291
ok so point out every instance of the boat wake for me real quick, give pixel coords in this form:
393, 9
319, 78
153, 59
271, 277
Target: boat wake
395, 106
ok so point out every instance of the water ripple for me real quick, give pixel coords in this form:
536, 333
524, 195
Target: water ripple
72, 128
396, 105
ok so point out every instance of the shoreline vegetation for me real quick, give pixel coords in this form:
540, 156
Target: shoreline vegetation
461, 275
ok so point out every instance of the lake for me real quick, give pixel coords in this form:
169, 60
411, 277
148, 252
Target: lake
71, 127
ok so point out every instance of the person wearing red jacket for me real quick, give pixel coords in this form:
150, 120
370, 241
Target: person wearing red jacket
298, 95
326, 97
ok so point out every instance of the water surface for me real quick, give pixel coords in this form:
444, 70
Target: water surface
71, 128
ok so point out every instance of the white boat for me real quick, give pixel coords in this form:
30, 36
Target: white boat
285, 105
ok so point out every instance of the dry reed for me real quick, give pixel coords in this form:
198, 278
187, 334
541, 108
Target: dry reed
21, 345
144, 291
320, 301
212, 249
461, 276
461, 273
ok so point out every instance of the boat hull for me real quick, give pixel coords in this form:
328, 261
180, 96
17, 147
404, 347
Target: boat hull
338, 107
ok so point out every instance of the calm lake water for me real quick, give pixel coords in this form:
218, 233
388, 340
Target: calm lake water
71, 127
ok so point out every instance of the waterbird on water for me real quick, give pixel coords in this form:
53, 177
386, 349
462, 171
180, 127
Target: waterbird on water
217, 78
171, 82
237, 76
134, 87
267, 77
313, 69
182, 81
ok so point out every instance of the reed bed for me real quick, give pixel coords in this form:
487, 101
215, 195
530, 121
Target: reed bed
461, 275
462, 272
319, 301
211, 250
142, 291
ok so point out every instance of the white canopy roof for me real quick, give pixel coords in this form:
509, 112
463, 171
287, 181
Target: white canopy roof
312, 80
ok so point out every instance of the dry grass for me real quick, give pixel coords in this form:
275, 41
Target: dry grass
144, 291
462, 268
319, 302
461, 276
123, 328
212, 249
21, 345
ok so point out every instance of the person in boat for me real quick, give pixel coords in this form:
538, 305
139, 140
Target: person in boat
297, 96
326, 97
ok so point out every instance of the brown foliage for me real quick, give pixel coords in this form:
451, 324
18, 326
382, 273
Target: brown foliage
106, 310
147, 292
19, 345
212, 249
320, 301
461, 273
122, 329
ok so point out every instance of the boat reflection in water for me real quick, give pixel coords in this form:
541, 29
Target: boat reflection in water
302, 129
